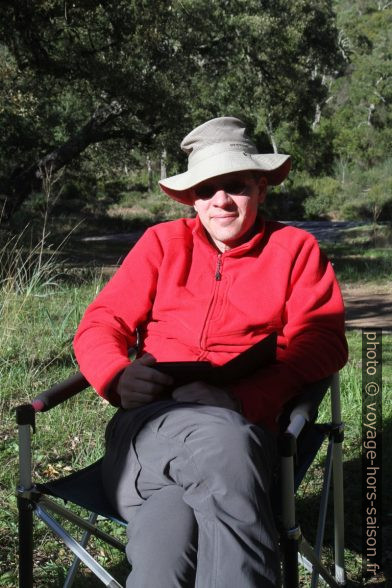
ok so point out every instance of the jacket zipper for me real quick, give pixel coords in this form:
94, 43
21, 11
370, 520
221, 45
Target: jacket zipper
218, 277
218, 272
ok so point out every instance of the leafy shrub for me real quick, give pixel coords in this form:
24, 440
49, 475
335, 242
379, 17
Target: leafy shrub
367, 194
325, 198
286, 202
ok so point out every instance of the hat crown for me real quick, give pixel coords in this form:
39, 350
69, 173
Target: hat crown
226, 133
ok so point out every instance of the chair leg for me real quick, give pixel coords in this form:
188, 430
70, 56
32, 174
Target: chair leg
322, 512
25, 524
337, 460
77, 549
75, 564
291, 532
313, 561
25, 418
290, 559
340, 573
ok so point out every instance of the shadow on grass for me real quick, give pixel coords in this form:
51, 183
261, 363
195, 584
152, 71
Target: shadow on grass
373, 307
308, 509
361, 267
362, 262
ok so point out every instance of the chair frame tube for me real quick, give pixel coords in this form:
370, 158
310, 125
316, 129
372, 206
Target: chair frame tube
25, 418
49, 504
323, 513
295, 547
291, 531
30, 500
26, 544
337, 458
315, 564
77, 549
69, 580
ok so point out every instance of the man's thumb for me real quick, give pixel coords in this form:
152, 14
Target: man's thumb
147, 359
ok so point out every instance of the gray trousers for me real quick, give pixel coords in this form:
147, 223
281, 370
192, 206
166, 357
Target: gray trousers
193, 483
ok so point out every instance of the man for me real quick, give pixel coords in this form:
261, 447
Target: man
189, 467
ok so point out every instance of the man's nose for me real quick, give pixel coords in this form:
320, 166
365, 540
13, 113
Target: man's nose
221, 197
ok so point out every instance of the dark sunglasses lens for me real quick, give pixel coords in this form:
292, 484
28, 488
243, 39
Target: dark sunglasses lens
205, 191
235, 188
208, 190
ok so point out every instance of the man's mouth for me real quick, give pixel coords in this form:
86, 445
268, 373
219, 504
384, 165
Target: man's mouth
224, 216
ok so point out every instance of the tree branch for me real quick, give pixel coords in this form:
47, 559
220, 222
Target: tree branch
97, 129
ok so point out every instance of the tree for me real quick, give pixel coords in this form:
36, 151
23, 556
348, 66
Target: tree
142, 74
361, 104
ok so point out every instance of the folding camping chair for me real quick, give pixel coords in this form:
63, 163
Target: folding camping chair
298, 444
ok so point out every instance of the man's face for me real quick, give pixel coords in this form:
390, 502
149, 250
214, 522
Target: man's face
227, 207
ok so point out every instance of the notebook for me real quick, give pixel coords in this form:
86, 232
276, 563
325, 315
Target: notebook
257, 356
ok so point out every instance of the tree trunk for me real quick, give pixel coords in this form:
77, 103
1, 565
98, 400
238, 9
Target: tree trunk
271, 136
163, 164
23, 183
149, 174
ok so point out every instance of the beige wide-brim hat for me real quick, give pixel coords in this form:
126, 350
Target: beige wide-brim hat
221, 146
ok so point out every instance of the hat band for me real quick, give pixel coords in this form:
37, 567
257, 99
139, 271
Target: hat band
195, 157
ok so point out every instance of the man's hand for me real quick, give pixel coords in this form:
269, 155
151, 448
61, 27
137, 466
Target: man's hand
140, 384
203, 393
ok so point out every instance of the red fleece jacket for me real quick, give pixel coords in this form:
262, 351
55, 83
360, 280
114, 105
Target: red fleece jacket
192, 302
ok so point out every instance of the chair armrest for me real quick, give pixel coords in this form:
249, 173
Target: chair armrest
303, 408
298, 413
59, 393
308, 402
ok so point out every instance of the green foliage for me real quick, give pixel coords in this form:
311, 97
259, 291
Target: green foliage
322, 204
119, 81
158, 69
367, 194
361, 99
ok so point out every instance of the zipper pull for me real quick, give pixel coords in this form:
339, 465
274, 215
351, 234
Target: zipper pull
218, 273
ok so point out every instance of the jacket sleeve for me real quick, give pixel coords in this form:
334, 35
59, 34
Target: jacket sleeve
314, 345
108, 327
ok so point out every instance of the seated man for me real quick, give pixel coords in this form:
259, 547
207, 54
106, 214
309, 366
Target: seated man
189, 467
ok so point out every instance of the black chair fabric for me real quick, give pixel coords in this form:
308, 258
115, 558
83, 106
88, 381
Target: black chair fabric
84, 488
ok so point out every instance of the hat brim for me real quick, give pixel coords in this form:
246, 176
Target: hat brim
275, 167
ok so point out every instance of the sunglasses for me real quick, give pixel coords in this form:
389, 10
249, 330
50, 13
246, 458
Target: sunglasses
235, 187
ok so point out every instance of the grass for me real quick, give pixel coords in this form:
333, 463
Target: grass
41, 303
351, 396
38, 325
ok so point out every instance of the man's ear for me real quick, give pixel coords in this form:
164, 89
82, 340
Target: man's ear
262, 185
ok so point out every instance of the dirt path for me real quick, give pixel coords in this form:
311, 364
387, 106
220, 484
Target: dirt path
368, 306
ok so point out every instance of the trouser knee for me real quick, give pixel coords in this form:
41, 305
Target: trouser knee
162, 539
228, 443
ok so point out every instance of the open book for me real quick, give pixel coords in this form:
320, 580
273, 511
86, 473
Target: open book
259, 355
